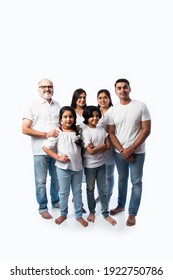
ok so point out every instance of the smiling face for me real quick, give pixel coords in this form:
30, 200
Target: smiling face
67, 120
81, 101
45, 89
93, 121
123, 90
103, 100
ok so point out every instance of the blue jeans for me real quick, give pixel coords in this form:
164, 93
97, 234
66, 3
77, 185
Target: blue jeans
66, 179
97, 174
136, 173
42, 165
110, 180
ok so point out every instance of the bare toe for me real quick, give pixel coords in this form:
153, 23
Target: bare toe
91, 218
131, 221
83, 222
60, 219
111, 220
116, 210
46, 215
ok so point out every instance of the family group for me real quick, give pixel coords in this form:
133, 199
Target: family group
80, 143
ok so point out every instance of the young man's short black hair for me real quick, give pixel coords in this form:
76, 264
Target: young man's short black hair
122, 81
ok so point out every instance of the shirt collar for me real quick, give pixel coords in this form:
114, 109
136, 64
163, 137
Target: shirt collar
42, 100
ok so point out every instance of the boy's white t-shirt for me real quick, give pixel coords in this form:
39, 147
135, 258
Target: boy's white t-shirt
65, 144
96, 136
127, 120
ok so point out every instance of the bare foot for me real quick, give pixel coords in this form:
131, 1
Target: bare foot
116, 210
46, 215
83, 222
91, 217
60, 219
131, 221
111, 220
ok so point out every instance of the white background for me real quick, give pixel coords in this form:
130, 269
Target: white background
86, 44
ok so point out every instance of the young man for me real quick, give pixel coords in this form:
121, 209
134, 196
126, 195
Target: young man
128, 127
40, 119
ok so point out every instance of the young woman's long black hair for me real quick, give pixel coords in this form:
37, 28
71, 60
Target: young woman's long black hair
75, 97
108, 95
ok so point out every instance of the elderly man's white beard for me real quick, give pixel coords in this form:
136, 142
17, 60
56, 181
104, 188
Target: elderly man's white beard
46, 95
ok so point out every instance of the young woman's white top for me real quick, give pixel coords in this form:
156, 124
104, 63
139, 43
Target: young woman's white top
79, 120
95, 136
65, 144
110, 153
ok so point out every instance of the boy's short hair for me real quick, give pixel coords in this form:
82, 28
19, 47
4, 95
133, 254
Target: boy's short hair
88, 113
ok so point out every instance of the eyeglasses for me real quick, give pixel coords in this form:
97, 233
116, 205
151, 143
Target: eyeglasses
43, 87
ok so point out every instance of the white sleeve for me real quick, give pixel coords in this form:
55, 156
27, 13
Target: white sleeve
50, 142
86, 137
110, 117
28, 114
145, 113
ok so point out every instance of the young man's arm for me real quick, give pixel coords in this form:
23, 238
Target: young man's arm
145, 132
113, 138
116, 143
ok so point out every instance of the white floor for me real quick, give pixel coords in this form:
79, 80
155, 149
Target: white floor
27, 240
25, 235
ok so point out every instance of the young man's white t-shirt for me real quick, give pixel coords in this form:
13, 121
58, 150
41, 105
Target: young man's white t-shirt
127, 120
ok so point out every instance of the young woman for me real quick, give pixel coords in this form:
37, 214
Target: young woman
68, 162
96, 143
78, 103
105, 103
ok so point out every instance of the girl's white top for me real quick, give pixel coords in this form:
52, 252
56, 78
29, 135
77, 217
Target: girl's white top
65, 144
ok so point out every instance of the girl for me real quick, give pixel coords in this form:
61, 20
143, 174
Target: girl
95, 143
105, 103
68, 163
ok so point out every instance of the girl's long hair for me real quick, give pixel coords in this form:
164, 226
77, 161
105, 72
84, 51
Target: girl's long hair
78, 141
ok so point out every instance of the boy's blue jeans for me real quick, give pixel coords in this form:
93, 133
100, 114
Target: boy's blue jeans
98, 175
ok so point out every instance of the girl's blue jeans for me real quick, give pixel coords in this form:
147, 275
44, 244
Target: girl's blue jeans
68, 178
